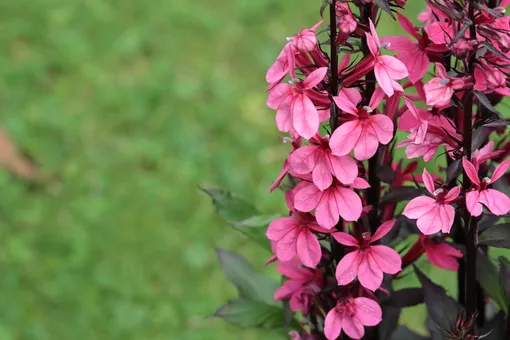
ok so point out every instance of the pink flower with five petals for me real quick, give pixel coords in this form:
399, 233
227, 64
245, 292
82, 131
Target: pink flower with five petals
367, 262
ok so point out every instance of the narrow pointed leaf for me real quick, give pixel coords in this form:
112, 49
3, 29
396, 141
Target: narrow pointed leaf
442, 309
385, 6
250, 284
496, 236
484, 101
400, 194
488, 277
453, 170
249, 313
406, 297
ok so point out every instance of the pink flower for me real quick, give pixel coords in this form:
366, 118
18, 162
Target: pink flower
413, 55
433, 214
329, 204
295, 109
301, 287
350, 315
318, 160
363, 132
497, 202
346, 21
481, 155
490, 79
441, 254
387, 69
306, 40
367, 262
439, 90
296, 143
295, 236
285, 63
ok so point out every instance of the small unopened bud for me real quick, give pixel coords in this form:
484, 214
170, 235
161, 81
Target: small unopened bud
367, 108
444, 81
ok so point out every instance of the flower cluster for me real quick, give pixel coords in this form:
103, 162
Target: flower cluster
341, 100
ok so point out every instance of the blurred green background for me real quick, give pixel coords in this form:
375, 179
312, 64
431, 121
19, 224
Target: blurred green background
132, 104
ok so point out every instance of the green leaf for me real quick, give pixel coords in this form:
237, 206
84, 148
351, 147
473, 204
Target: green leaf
249, 313
241, 215
488, 277
250, 284
496, 236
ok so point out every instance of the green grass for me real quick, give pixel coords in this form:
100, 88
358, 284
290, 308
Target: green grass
132, 104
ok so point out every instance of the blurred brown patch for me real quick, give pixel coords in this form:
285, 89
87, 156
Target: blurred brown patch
12, 159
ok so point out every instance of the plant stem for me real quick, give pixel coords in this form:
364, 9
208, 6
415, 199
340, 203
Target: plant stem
333, 81
472, 287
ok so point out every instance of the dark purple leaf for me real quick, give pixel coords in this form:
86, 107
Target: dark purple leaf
385, 6
442, 309
403, 333
494, 329
493, 49
496, 236
487, 221
389, 322
386, 174
400, 194
453, 170
497, 123
504, 274
479, 137
488, 277
406, 297
484, 101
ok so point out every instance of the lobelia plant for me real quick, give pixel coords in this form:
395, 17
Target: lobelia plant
361, 212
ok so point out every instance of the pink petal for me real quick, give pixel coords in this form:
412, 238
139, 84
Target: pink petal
407, 25
303, 160
283, 116
383, 79
369, 274
441, 71
452, 194
437, 93
470, 170
382, 230
344, 168
443, 256
347, 268
308, 249
345, 138
398, 43
368, 312
418, 207
353, 327
377, 98
347, 100
447, 215
288, 288
387, 259
497, 202
428, 181
349, 204
472, 205
395, 68
429, 223
360, 183
374, 33
307, 198
305, 117
332, 325
417, 63
315, 78
383, 127
367, 143
345, 239
321, 173
500, 170
278, 70
294, 270
286, 246
372, 45
327, 211
278, 95
280, 227
281, 176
